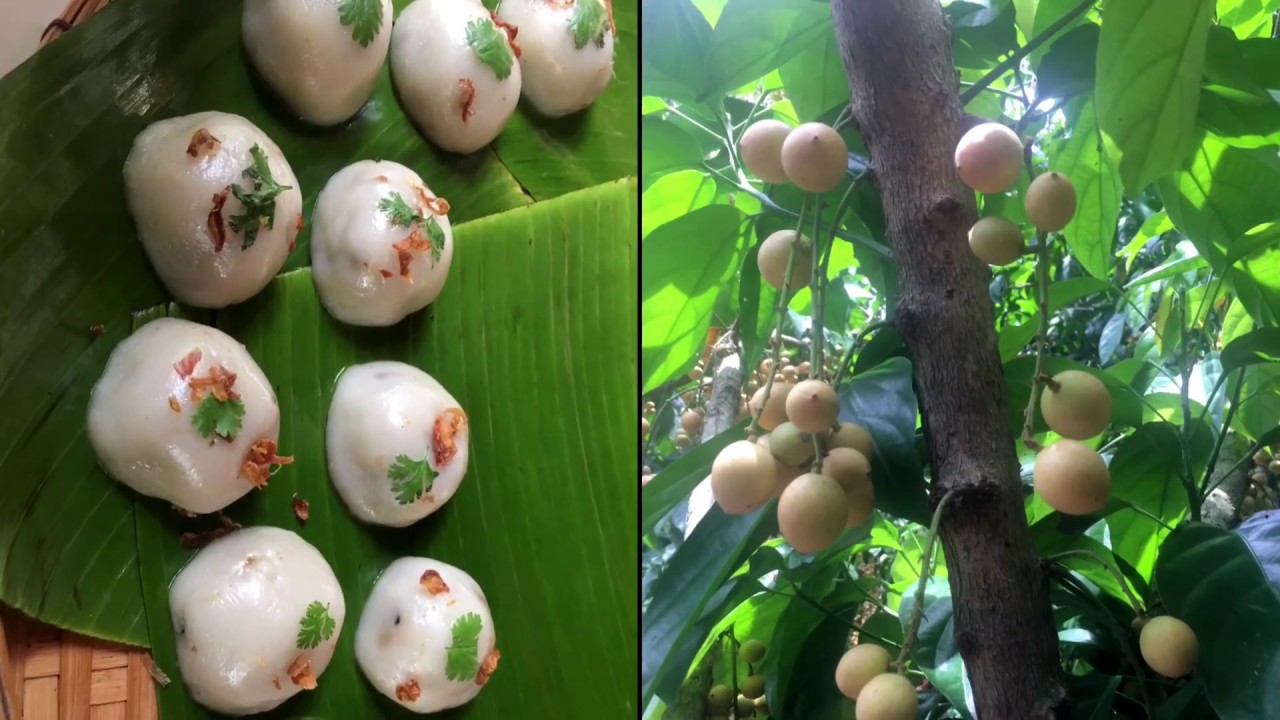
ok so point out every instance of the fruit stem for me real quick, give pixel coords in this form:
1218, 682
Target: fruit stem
1217, 445
782, 312
1042, 337
1015, 58
1048, 382
1110, 567
926, 569
843, 370
817, 293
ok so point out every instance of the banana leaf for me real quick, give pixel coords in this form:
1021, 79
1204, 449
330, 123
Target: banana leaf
536, 289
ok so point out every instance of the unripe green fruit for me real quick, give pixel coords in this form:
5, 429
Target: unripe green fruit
1076, 405
772, 259
761, 150
812, 512
815, 157
858, 665
813, 406
775, 411
1071, 478
852, 436
1050, 202
996, 241
852, 471
1169, 646
720, 698
752, 686
989, 158
742, 477
751, 652
889, 696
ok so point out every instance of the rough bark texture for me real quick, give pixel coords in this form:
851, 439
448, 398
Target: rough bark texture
898, 57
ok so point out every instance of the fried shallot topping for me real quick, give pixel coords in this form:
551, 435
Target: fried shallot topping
95, 331
174, 405
415, 242
187, 364
217, 382
276, 681
448, 425
301, 508
196, 540
487, 667
408, 691
300, 673
613, 26
262, 462
434, 205
387, 273
203, 144
215, 222
468, 97
433, 583
510, 29
298, 228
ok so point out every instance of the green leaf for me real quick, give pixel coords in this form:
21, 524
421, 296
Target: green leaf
544, 400
363, 16
1150, 55
754, 37
410, 479
1081, 158
490, 46
1260, 346
685, 264
815, 79
316, 626
675, 39
673, 196
589, 23
1199, 566
1126, 404
1070, 66
675, 482
667, 147
936, 652
1014, 338
1248, 18
462, 657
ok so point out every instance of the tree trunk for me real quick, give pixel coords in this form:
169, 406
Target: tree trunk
905, 104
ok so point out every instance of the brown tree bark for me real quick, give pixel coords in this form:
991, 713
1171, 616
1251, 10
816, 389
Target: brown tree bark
905, 104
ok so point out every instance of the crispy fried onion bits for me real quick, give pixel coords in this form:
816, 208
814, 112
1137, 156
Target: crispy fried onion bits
457, 71
216, 205
256, 614
183, 413
566, 57
426, 637
381, 244
397, 443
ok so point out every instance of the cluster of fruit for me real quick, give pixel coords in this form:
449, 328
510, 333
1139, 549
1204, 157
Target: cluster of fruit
863, 674
750, 702
1260, 495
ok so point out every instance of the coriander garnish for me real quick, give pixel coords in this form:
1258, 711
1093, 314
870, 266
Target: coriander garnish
364, 17
260, 202
410, 479
490, 46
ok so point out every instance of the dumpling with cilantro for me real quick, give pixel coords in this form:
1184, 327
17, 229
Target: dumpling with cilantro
456, 67
396, 441
256, 616
566, 57
184, 414
216, 205
426, 637
381, 244
321, 56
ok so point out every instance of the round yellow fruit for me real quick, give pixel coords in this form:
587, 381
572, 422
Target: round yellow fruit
1076, 405
852, 471
742, 477
746, 707
858, 665
813, 406
790, 445
691, 421
720, 698
761, 150
812, 512
783, 475
888, 696
989, 158
751, 652
775, 411
1050, 202
1071, 478
1169, 646
752, 686
852, 436
773, 257
815, 157
996, 241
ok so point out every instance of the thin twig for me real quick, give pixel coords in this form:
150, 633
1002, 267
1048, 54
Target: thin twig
819, 606
1184, 391
782, 311
858, 340
1042, 338
926, 568
1016, 57
1222, 436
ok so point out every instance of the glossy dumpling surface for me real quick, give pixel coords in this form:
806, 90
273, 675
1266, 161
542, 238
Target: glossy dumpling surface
566, 57
397, 442
157, 424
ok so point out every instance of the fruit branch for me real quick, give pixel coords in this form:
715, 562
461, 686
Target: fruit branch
843, 370
1110, 567
1184, 390
782, 312
1222, 436
1016, 57
926, 569
817, 327
1042, 338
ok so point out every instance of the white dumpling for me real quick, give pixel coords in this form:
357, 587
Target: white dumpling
321, 58
181, 180
426, 637
397, 443
381, 244
566, 57
143, 415
456, 72
256, 614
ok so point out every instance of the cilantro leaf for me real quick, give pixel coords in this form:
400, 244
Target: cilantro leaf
218, 417
317, 625
400, 211
259, 202
436, 233
462, 657
490, 46
588, 24
364, 17
410, 479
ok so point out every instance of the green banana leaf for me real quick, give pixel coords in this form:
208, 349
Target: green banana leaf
536, 290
